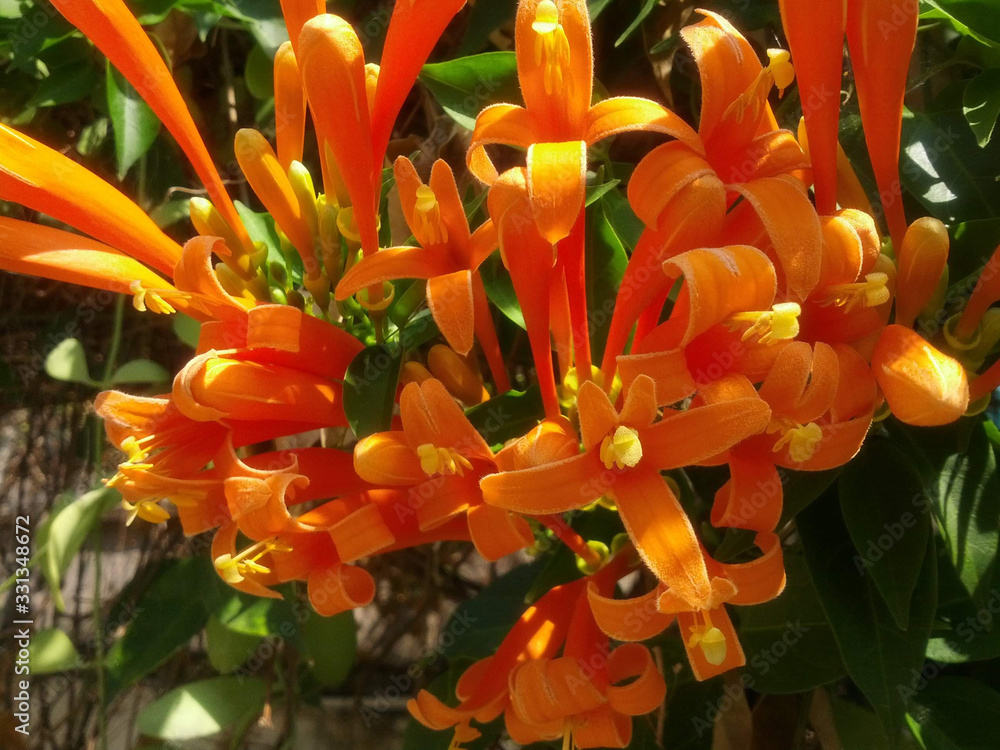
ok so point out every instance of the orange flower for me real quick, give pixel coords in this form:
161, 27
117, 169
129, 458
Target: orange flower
624, 453
707, 632
449, 256
352, 121
586, 696
441, 457
557, 124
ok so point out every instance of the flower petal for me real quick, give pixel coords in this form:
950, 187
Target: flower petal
552, 488
557, 175
449, 298
391, 263
505, 124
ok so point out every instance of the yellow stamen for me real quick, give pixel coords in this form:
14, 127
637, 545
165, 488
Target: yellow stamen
144, 299
427, 216
710, 640
234, 569
777, 324
621, 450
551, 47
780, 68
871, 292
147, 510
802, 440
444, 461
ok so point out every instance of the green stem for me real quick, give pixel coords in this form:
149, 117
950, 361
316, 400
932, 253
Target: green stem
102, 716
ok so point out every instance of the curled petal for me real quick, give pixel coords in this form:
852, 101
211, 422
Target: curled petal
636, 619
340, 589
647, 688
498, 533
505, 124
624, 114
387, 458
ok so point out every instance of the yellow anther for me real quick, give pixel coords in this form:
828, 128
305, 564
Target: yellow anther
781, 69
871, 292
427, 214
622, 449
147, 510
234, 569
444, 461
802, 440
710, 640
780, 323
144, 299
551, 47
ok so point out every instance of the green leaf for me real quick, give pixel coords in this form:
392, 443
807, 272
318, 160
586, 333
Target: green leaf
465, 85
969, 512
93, 136
133, 122
508, 415
63, 533
981, 18
66, 84
68, 362
944, 167
879, 657
956, 713
478, 625
981, 104
882, 499
262, 18
261, 228
52, 651
606, 260
246, 614
788, 641
857, 727
167, 616
169, 213
484, 19
140, 371
201, 709
331, 643
187, 329
370, 389
646, 9
228, 649
259, 74
500, 289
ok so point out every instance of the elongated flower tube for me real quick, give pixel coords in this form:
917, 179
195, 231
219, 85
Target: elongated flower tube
881, 36
984, 294
815, 33
296, 13
54, 254
289, 107
38, 177
114, 30
922, 259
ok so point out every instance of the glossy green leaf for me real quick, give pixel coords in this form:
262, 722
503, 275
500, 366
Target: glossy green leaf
202, 709
63, 532
68, 362
500, 289
887, 516
259, 74
228, 649
980, 18
484, 19
141, 371
606, 260
370, 389
956, 713
52, 651
981, 104
331, 644
857, 727
66, 84
969, 511
508, 415
263, 19
879, 656
788, 641
944, 167
133, 122
166, 617
466, 85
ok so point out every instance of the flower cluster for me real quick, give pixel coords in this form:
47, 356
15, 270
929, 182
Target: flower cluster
763, 321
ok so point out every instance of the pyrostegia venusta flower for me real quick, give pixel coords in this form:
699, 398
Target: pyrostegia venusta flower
624, 453
449, 257
439, 454
586, 695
